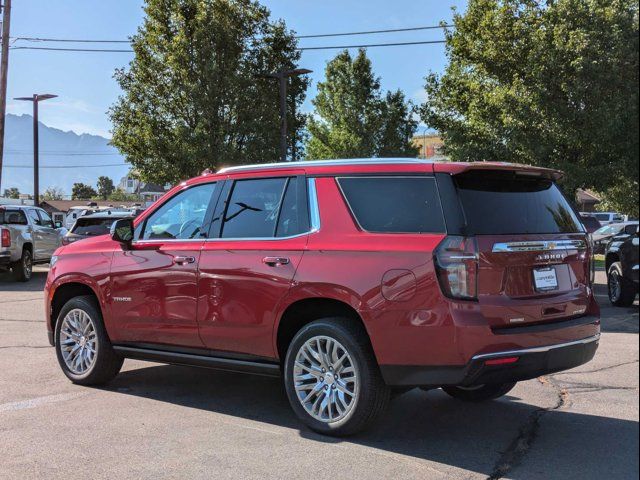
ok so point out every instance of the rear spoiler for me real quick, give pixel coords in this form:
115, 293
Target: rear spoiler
456, 168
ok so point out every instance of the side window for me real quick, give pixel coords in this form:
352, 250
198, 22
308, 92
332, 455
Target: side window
181, 217
45, 219
33, 216
252, 210
394, 204
293, 217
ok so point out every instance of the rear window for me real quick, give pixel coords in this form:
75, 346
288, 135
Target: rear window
497, 203
394, 204
92, 226
603, 217
12, 217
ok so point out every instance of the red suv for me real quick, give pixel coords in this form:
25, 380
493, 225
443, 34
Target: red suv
351, 279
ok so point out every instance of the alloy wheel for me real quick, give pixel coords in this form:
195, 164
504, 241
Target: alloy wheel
615, 286
27, 265
78, 341
326, 379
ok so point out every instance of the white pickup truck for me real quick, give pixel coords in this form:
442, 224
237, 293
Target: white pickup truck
27, 236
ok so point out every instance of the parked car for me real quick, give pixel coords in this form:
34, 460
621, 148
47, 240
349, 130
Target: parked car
621, 260
93, 225
591, 224
28, 236
603, 236
351, 279
606, 218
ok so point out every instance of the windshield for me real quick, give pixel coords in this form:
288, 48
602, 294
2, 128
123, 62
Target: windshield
608, 230
500, 203
93, 226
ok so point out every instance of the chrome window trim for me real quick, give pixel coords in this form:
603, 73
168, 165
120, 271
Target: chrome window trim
314, 207
539, 246
542, 349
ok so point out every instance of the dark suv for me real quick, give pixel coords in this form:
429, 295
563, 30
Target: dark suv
350, 279
621, 260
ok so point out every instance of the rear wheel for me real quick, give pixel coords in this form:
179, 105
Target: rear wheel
622, 292
480, 393
83, 348
23, 268
331, 377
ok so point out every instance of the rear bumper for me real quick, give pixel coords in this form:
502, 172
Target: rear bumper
531, 363
5, 259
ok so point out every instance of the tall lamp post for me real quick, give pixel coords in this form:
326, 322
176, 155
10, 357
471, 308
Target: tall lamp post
283, 77
36, 98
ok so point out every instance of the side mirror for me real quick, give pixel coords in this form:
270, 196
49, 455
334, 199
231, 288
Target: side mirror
122, 230
57, 225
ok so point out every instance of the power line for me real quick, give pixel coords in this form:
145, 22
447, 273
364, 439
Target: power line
62, 154
71, 166
329, 47
320, 35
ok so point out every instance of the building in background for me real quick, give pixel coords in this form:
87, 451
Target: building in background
587, 200
430, 145
147, 192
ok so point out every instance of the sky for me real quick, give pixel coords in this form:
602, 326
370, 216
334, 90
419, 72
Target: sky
84, 81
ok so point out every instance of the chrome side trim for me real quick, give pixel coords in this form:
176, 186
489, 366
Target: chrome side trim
327, 163
539, 246
314, 209
543, 349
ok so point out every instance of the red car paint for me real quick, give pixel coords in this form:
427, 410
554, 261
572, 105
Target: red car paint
229, 300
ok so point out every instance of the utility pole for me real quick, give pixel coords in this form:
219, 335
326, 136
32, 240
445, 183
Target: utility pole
283, 78
4, 69
35, 98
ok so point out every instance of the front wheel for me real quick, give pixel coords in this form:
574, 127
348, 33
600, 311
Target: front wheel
331, 377
480, 393
23, 268
83, 348
622, 292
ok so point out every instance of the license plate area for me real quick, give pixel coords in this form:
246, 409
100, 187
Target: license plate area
545, 279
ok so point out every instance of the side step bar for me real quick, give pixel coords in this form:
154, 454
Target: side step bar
188, 359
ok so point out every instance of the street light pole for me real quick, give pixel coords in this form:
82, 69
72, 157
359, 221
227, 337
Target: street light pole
35, 98
283, 77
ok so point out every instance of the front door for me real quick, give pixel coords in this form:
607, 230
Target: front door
153, 295
246, 269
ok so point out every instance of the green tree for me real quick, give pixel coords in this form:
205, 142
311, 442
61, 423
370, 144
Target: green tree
82, 191
52, 193
12, 192
548, 83
105, 187
352, 119
192, 98
119, 195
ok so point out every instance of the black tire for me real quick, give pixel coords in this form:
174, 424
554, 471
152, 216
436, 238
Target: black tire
622, 292
107, 362
480, 393
22, 268
373, 394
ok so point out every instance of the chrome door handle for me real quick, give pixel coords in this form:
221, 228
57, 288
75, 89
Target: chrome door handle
275, 261
181, 260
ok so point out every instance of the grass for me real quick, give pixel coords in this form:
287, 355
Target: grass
599, 261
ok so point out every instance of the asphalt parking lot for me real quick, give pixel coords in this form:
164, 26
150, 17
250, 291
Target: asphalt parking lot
156, 421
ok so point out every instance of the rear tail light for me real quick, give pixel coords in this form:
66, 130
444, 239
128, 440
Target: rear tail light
5, 237
502, 361
456, 260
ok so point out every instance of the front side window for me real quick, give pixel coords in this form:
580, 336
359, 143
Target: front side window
252, 210
46, 219
33, 215
394, 204
181, 217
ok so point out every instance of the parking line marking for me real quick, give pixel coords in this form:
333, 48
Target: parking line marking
39, 401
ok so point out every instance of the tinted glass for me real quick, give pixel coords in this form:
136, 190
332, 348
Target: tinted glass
590, 222
603, 217
292, 219
45, 219
12, 217
252, 211
33, 215
498, 203
93, 226
394, 204
182, 216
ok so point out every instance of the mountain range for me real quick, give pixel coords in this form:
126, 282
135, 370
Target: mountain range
65, 157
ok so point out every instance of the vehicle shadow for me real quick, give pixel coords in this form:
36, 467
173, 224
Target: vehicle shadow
36, 284
424, 425
616, 319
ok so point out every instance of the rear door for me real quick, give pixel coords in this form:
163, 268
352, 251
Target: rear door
37, 234
533, 252
247, 265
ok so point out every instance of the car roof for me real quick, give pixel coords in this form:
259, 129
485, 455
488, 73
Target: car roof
369, 165
107, 214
